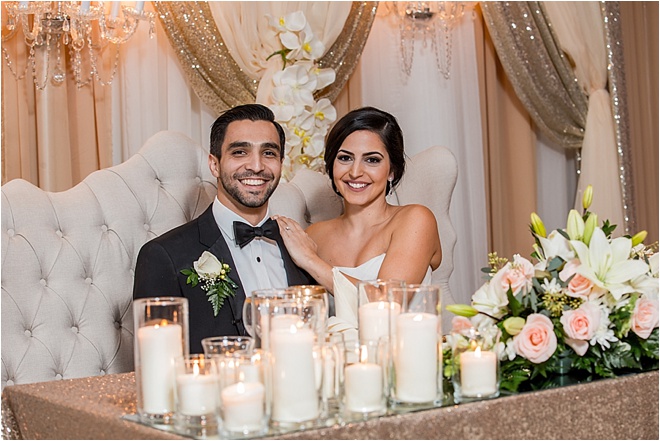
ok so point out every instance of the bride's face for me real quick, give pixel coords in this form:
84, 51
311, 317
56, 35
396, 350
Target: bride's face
362, 168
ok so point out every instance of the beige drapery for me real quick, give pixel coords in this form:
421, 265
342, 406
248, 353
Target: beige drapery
579, 29
509, 142
56, 136
639, 29
218, 79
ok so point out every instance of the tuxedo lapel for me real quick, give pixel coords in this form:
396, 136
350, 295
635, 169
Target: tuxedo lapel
210, 236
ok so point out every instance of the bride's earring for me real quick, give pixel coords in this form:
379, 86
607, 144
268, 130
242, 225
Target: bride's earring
388, 189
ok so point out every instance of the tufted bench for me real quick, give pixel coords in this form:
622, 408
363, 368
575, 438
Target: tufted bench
68, 257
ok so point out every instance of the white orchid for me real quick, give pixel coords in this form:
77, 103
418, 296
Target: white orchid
305, 121
298, 80
293, 22
607, 265
302, 44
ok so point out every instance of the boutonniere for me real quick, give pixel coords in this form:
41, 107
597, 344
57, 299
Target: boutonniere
215, 279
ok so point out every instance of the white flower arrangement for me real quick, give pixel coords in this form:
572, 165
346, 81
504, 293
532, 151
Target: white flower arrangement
305, 120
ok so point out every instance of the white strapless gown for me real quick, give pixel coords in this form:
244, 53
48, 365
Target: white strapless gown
345, 293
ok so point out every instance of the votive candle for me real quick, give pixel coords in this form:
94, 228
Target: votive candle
363, 385
478, 373
243, 406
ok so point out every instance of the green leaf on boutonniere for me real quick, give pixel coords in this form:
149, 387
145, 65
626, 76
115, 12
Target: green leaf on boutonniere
214, 277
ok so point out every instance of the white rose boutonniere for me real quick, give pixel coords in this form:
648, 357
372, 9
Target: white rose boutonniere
215, 279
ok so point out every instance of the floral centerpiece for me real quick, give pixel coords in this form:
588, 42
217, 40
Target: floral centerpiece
589, 303
305, 120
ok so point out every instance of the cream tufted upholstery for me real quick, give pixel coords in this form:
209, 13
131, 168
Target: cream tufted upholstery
68, 257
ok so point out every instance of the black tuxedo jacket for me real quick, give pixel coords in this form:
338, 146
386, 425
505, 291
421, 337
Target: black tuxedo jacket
158, 274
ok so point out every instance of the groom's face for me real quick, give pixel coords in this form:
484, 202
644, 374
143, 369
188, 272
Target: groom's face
249, 167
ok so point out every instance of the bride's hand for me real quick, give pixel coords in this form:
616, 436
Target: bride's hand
300, 246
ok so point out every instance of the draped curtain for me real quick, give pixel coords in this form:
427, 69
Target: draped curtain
211, 64
56, 136
569, 106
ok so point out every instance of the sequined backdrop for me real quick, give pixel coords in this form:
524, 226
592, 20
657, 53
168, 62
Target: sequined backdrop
545, 83
215, 76
540, 74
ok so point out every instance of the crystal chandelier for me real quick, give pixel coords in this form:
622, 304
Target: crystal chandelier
85, 28
428, 21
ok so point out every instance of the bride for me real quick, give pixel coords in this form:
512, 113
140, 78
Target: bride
372, 239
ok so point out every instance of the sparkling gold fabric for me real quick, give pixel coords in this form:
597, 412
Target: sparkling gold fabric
538, 70
215, 76
621, 408
617, 88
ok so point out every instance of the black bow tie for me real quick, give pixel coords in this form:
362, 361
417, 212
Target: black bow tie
244, 233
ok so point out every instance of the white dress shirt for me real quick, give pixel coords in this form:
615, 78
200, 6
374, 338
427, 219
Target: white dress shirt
259, 264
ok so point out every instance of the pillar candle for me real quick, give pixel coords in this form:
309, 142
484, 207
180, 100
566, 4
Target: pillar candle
478, 373
195, 394
373, 319
139, 6
416, 357
84, 6
159, 345
363, 385
243, 406
295, 397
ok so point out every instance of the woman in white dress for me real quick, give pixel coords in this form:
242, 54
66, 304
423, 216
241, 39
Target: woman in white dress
372, 239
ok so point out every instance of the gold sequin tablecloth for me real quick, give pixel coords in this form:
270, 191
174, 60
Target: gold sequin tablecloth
91, 408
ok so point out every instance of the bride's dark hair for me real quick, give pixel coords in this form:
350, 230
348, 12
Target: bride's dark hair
373, 120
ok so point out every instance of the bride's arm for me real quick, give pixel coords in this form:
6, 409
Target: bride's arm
415, 245
303, 252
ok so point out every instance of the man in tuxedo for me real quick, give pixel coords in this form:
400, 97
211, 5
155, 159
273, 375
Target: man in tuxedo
247, 149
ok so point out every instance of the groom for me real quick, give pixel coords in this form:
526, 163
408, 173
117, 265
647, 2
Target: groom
247, 149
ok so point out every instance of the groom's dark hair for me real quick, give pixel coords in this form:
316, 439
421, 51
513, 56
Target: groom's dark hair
251, 112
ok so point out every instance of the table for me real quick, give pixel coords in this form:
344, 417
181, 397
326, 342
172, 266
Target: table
92, 408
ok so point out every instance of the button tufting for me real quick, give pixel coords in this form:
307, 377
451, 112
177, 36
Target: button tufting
132, 272
59, 233
43, 282
117, 325
146, 227
88, 281
10, 382
74, 329
28, 333
102, 372
198, 179
58, 376
104, 228
157, 181
10, 232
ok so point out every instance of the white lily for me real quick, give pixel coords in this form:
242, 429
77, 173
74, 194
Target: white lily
607, 265
491, 298
555, 245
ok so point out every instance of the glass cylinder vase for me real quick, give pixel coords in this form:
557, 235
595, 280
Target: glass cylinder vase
416, 347
475, 365
161, 335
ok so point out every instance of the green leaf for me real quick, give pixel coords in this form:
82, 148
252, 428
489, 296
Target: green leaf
516, 307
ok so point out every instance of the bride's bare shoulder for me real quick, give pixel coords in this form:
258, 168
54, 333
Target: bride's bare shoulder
416, 213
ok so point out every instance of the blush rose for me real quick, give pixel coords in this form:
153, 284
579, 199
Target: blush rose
537, 340
645, 317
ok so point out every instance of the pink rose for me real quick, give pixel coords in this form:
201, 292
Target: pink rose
580, 325
580, 287
517, 274
459, 324
645, 317
537, 340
